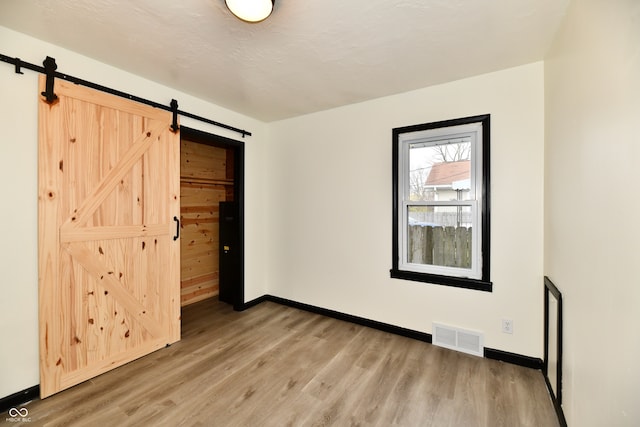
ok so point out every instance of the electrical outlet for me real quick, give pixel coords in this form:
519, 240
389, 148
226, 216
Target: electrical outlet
507, 326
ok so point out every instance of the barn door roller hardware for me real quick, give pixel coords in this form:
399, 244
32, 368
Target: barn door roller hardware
49, 70
174, 110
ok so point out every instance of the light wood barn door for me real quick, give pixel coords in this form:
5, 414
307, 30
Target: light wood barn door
109, 266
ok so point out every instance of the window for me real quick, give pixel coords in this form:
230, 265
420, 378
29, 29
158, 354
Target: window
441, 203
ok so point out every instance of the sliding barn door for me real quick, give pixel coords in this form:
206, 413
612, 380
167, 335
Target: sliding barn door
109, 265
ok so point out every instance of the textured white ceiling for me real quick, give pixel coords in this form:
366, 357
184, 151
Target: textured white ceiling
310, 55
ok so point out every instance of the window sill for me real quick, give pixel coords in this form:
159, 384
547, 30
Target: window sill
458, 282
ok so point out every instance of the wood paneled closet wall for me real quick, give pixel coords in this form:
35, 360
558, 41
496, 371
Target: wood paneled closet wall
206, 178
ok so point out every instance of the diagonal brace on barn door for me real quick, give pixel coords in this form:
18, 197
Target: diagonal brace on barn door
104, 276
141, 145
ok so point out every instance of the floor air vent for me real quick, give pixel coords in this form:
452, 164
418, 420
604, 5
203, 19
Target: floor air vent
470, 342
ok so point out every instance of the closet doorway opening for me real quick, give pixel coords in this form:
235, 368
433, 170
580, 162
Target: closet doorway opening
211, 218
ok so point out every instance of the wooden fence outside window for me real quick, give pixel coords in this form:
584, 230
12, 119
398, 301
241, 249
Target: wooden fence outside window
442, 246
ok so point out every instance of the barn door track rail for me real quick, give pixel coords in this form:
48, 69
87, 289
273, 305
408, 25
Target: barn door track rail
49, 69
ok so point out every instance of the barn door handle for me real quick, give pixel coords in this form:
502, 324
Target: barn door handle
177, 236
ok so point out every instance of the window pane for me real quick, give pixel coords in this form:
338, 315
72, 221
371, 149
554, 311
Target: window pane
440, 236
440, 170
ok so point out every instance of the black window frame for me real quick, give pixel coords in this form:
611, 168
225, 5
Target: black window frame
483, 284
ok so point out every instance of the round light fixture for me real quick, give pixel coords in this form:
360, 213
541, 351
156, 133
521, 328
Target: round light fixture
251, 10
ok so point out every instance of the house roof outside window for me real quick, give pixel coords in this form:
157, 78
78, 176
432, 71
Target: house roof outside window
454, 175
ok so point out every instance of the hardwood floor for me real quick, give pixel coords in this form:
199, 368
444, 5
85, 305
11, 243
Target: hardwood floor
274, 365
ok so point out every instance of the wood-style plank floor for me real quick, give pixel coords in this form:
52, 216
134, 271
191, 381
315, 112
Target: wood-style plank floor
274, 365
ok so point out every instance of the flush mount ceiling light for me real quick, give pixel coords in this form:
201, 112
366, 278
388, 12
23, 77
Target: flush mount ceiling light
251, 10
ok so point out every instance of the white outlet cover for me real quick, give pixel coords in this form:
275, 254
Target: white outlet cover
507, 326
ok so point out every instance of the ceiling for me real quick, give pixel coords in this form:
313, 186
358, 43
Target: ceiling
310, 55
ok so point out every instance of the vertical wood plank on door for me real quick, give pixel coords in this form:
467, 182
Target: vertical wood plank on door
49, 204
172, 271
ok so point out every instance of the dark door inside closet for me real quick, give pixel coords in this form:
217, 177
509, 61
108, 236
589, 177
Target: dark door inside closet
230, 253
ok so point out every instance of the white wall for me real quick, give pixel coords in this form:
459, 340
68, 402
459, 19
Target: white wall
330, 209
18, 186
592, 239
